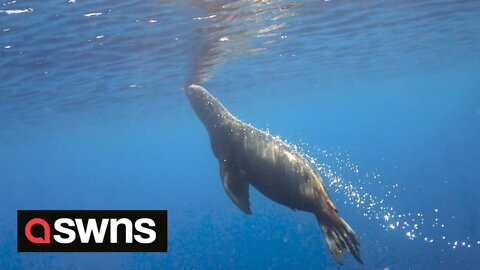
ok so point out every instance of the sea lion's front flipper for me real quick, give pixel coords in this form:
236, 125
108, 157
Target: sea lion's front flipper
236, 186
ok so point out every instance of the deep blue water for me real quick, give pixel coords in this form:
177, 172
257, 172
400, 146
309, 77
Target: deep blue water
385, 94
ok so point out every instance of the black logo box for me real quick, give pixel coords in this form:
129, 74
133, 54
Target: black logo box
159, 245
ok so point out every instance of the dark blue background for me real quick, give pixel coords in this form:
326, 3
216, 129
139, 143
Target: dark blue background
82, 137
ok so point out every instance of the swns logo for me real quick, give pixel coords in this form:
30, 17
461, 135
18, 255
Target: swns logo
92, 230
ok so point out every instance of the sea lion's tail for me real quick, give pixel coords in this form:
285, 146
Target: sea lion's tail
339, 236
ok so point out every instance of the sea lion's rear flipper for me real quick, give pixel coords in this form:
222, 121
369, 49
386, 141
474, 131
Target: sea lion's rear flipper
339, 236
236, 186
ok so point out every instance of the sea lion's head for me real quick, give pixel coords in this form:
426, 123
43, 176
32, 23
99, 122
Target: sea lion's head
196, 93
207, 107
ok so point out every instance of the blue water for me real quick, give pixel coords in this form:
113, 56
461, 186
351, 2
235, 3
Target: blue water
384, 94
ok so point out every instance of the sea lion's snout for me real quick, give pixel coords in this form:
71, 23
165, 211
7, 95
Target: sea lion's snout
207, 107
196, 95
195, 91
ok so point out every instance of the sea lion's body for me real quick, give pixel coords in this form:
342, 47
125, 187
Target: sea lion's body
249, 156
267, 163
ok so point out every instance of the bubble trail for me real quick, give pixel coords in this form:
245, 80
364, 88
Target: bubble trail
344, 177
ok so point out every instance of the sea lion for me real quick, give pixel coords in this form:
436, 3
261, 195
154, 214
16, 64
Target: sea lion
249, 156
